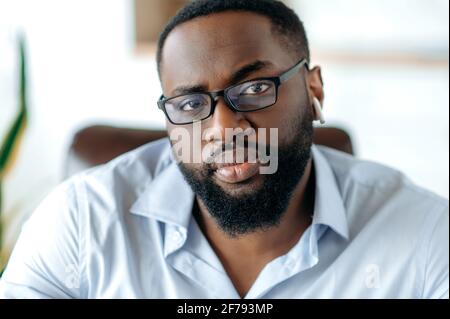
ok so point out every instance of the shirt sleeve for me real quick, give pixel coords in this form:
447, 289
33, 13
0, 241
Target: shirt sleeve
437, 263
45, 261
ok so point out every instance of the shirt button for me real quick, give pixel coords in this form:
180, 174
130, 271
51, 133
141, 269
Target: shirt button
177, 238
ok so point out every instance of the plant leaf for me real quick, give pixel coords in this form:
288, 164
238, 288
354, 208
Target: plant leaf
13, 135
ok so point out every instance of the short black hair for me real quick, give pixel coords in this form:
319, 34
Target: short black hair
285, 21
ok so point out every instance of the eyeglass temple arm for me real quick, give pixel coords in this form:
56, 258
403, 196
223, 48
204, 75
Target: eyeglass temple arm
161, 99
291, 72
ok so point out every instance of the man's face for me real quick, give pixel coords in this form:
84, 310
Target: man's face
207, 54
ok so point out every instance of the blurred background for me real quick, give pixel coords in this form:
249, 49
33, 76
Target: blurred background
385, 66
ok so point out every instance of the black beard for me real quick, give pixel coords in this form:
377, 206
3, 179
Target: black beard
265, 207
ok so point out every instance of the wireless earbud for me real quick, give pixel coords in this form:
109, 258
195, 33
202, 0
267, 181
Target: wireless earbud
318, 111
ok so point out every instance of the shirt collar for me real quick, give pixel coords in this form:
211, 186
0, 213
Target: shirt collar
329, 209
169, 198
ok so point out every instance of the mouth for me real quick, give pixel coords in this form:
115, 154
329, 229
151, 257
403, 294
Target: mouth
236, 165
236, 173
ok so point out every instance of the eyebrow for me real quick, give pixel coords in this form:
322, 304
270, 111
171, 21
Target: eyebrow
237, 76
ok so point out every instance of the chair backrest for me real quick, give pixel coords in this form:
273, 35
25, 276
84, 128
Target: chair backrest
97, 145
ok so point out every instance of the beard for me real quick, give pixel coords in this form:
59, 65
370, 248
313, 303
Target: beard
263, 207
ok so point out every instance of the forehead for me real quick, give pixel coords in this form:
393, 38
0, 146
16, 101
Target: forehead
209, 49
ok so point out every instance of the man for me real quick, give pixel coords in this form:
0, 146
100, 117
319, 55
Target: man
150, 225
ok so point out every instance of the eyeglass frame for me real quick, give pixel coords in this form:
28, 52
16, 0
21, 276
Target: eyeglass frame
278, 81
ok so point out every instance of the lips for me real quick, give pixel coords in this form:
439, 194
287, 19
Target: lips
228, 169
237, 173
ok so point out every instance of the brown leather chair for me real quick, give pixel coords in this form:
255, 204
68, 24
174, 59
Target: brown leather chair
97, 145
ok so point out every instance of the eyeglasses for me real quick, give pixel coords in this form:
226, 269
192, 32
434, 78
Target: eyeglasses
249, 96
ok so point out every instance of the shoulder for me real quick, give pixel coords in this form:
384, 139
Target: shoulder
104, 193
394, 222
99, 199
373, 182
397, 221
126, 176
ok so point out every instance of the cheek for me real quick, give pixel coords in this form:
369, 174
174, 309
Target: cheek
291, 110
195, 169
197, 172
283, 117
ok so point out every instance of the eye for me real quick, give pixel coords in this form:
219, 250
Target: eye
192, 104
256, 88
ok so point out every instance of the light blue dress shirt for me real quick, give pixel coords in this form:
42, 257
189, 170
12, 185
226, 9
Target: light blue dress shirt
126, 230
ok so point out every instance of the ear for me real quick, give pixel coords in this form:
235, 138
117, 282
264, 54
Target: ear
315, 84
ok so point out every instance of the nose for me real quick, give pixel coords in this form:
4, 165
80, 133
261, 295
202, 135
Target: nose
224, 118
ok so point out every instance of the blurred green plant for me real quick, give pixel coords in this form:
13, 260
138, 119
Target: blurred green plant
10, 144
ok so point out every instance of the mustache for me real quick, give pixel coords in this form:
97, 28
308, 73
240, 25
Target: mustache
220, 153
218, 148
